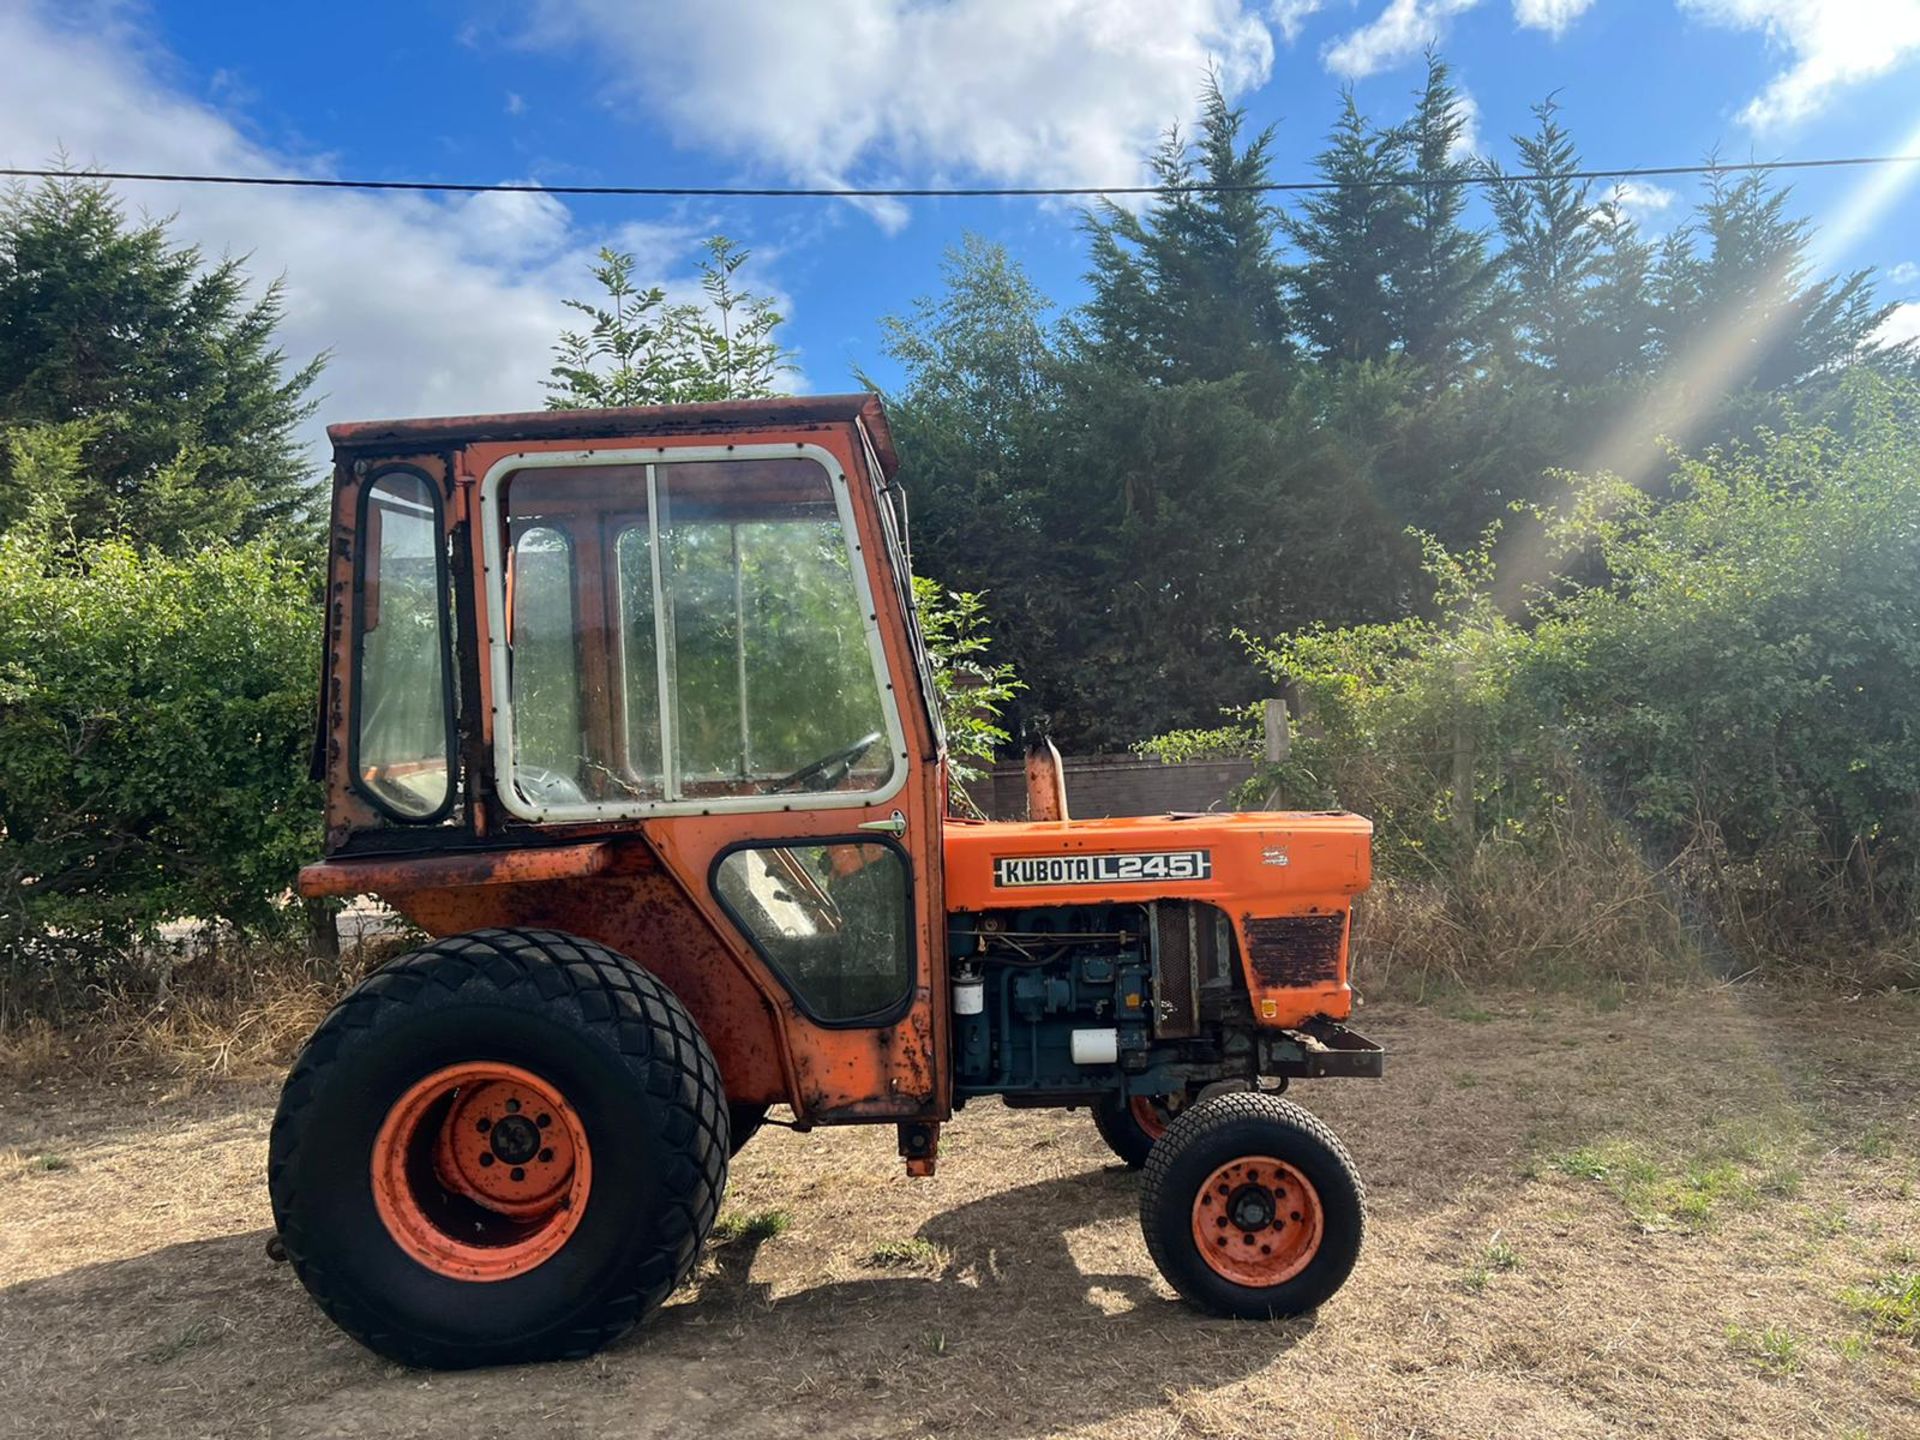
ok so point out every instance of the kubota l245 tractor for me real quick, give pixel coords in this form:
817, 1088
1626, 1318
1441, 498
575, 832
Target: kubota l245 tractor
631, 710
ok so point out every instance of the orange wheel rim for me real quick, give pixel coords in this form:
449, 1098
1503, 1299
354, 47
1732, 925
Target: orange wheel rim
1258, 1221
481, 1171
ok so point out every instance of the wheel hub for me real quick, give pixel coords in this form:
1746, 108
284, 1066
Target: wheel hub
1251, 1207
481, 1171
514, 1140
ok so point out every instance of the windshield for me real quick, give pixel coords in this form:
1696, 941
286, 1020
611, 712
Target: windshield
692, 631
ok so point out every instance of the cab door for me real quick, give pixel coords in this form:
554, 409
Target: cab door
706, 641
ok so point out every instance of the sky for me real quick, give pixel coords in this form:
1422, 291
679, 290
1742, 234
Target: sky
447, 305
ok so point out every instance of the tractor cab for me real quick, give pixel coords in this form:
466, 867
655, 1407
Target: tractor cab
655, 677
630, 712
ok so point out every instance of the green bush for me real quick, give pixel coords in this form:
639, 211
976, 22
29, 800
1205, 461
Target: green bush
970, 690
155, 715
1723, 700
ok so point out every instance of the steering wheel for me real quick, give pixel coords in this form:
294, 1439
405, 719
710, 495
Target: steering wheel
829, 770
547, 787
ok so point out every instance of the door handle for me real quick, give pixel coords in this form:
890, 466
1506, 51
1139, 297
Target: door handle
894, 824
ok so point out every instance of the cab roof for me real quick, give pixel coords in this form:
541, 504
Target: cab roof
639, 421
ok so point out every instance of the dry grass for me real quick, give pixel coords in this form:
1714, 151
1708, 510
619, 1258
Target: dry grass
242, 1014
188, 1037
1690, 1216
1578, 908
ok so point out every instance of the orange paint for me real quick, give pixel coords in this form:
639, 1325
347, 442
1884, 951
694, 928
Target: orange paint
378, 876
1258, 1221
505, 1145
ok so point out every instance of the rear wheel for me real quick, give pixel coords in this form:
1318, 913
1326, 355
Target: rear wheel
1252, 1207
507, 1146
1132, 1124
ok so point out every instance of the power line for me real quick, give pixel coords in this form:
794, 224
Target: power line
957, 192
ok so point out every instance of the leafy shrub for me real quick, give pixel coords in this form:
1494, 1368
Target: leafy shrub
970, 689
1716, 723
1180, 747
155, 714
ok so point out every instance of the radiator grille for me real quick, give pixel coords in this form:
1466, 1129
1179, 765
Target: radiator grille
1176, 981
1296, 950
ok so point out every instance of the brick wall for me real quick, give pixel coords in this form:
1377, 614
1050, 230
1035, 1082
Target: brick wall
1101, 785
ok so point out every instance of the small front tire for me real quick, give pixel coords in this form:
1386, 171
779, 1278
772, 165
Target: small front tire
1252, 1208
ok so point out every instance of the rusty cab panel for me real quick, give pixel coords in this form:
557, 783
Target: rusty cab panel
653, 677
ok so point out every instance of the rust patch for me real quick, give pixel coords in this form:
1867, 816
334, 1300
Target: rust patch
1295, 951
333, 878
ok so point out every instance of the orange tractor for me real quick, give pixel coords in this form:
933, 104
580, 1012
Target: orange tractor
631, 710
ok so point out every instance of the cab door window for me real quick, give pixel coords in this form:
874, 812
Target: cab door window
545, 664
770, 668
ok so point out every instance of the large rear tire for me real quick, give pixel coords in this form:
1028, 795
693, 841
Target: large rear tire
1251, 1207
507, 1146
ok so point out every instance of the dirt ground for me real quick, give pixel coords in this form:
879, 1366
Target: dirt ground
1663, 1219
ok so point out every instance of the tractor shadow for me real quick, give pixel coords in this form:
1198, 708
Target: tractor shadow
1010, 1322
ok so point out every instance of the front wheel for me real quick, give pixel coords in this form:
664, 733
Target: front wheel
1252, 1208
507, 1146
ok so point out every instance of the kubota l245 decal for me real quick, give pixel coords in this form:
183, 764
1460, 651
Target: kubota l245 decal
1102, 869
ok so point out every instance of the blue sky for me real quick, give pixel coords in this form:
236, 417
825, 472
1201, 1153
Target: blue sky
443, 305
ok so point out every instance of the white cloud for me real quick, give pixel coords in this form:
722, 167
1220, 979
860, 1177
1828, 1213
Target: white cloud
1832, 44
516, 103
428, 306
1393, 37
1552, 16
1291, 16
1642, 199
517, 227
1905, 273
1903, 324
1467, 144
849, 91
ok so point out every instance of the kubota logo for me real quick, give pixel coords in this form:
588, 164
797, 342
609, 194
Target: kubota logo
1112, 869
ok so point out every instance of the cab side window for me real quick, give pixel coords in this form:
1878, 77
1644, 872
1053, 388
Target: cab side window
403, 698
544, 664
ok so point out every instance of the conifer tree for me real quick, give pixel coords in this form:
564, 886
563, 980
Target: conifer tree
1551, 243
1442, 282
162, 367
1353, 239
1190, 289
